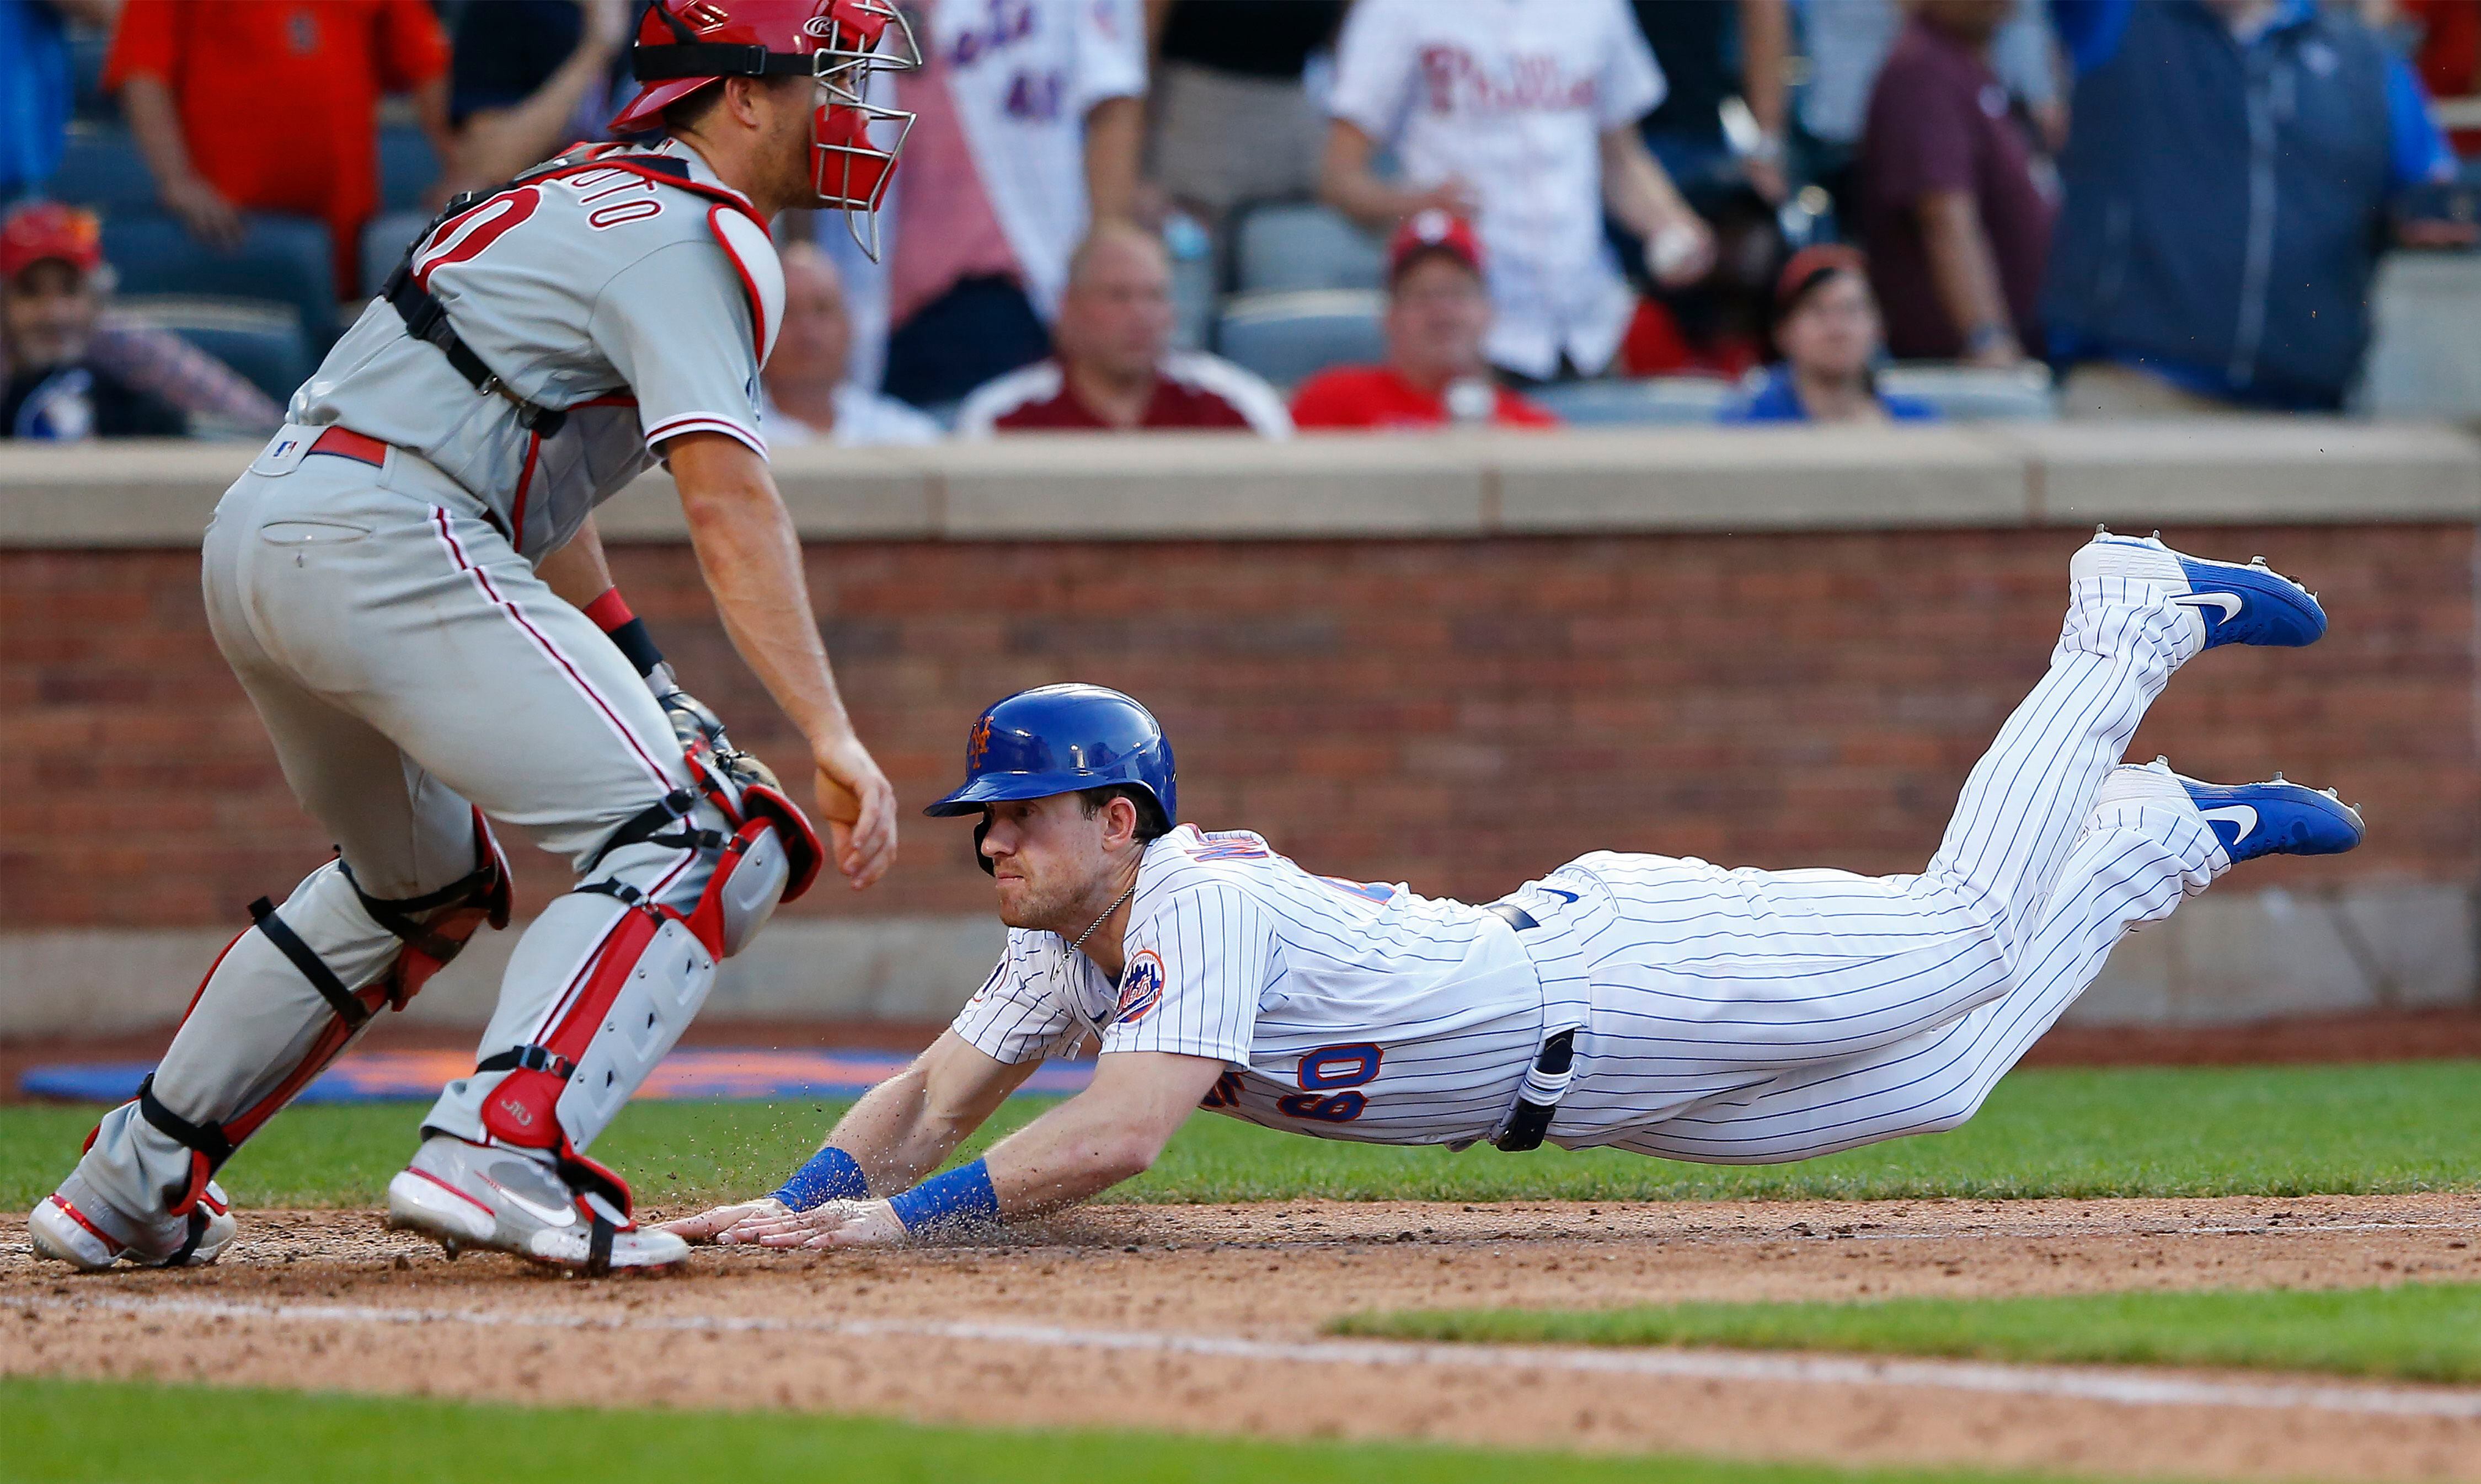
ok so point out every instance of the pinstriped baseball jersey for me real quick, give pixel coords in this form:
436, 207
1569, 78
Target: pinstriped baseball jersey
1726, 1015
1342, 1010
643, 308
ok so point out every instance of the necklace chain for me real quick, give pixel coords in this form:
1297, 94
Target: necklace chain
1100, 920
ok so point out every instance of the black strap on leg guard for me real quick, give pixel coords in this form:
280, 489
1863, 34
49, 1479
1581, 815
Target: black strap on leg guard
598, 1248
313, 967
397, 913
646, 826
527, 1058
1532, 1120
206, 1139
189, 1244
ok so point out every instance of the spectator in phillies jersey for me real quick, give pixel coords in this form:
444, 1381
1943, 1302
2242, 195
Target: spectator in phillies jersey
246, 106
1826, 324
804, 395
1521, 115
1438, 312
1114, 367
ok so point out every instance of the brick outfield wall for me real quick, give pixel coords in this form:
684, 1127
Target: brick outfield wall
1458, 713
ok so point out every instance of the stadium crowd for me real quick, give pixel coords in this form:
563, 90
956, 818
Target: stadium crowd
1262, 215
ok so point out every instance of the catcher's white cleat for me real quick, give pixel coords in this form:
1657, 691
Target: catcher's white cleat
514, 1201
77, 1226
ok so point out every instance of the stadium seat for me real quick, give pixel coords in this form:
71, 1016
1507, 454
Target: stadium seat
260, 340
1296, 245
383, 241
101, 167
1651, 402
407, 167
281, 259
1286, 337
88, 46
1977, 394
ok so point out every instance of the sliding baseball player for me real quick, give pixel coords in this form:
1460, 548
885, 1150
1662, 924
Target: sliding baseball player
408, 586
1661, 1005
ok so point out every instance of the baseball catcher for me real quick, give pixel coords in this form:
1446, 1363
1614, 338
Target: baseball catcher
1661, 1005
408, 585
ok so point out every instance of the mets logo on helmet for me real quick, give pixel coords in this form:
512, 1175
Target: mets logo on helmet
1141, 988
978, 745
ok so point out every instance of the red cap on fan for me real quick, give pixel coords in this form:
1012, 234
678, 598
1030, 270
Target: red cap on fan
1432, 230
45, 230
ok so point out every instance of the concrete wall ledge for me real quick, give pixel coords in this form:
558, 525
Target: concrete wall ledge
2228, 471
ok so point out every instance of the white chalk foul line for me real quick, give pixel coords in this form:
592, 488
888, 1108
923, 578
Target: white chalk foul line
2138, 1387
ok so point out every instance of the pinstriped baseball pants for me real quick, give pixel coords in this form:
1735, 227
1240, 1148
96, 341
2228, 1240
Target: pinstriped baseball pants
1752, 1017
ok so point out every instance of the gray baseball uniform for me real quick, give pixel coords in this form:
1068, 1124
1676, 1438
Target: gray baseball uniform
379, 603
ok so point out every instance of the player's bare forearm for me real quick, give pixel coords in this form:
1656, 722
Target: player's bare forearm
1114, 1131
907, 1126
751, 561
578, 571
1111, 1132
901, 1129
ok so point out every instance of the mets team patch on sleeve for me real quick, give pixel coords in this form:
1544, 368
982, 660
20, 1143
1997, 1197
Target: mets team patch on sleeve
1141, 988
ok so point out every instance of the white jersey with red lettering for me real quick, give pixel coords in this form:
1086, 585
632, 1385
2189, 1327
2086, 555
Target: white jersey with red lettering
625, 286
1350, 1010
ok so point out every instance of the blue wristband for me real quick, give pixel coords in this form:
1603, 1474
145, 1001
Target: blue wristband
960, 1201
831, 1175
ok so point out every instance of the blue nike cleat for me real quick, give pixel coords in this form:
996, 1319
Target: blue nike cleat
2275, 818
2238, 605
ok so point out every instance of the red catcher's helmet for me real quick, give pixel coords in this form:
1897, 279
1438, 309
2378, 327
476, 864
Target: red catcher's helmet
684, 45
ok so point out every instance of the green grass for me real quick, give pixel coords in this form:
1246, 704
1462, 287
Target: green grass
113, 1431
2163, 1131
2412, 1332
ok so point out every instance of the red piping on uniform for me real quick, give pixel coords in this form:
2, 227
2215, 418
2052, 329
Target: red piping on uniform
525, 479
748, 284
482, 581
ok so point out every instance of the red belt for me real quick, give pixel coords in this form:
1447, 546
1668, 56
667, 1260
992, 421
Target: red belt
345, 443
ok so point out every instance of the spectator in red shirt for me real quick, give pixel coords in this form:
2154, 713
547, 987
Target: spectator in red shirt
1956, 230
1113, 366
1438, 315
246, 105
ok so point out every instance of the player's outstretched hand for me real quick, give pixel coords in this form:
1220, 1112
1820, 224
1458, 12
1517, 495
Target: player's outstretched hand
711, 1225
860, 809
835, 1224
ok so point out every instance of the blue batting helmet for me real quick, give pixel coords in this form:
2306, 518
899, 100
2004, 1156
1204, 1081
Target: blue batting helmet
1063, 739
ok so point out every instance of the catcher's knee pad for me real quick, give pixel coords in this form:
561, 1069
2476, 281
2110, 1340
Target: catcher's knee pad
653, 970
435, 926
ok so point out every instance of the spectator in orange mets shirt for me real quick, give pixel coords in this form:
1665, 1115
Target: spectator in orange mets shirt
246, 105
1438, 316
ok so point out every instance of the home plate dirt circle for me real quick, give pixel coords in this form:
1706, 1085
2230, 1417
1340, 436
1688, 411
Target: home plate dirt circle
1210, 1319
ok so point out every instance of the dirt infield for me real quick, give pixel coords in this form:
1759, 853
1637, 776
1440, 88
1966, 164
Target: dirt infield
1208, 1318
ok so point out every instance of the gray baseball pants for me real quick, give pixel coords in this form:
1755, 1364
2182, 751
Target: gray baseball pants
408, 665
